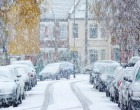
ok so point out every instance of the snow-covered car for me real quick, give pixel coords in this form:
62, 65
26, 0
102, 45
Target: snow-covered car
56, 71
132, 61
111, 79
132, 93
31, 66
123, 88
96, 67
66, 69
10, 89
20, 69
114, 94
30, 74
104, 74
51, 71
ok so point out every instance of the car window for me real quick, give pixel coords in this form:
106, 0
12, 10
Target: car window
108, 69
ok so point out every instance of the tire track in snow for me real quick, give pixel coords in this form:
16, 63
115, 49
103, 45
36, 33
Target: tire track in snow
82, 98
48, 96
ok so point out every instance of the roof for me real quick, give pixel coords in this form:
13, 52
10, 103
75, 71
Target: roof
80, 10
58, 9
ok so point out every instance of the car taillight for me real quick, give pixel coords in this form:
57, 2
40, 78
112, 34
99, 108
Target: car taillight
119, 83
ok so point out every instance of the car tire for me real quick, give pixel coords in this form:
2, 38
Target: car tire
20, 99
112, 98
5, 105
129, 105
57, 78
15, 103
23, 95
107, 94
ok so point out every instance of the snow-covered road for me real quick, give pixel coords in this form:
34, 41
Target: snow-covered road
72, 94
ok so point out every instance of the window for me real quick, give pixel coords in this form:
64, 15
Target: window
93, 31
49, 32
103, 54
63, 31
50, 55
75, 30
103, 33
93, 55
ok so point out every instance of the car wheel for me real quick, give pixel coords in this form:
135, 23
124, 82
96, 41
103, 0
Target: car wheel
107, 94
100, 89
15, 103
68, 77
122, 106
111, 98
20, 99
5, 105
23, 95
129, 105
57, 78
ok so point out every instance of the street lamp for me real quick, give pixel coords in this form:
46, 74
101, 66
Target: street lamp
74, 33
86, 33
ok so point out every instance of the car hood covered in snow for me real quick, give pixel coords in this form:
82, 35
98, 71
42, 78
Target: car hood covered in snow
7, 87
135, 86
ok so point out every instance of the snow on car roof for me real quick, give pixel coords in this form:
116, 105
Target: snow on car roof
134, 59
51, 68
4, 71
27, 62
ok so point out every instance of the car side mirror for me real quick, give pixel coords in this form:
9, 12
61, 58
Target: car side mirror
130, 80
18, 76
125, 78
16, 80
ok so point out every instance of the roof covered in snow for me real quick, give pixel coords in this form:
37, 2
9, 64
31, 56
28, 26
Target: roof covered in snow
58, 9
80, 9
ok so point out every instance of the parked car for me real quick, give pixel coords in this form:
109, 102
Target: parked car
110, 80
56, 71
96, 67
51, 71
131, 94
10, 89
20, 69
31, 66
114, 95
123, 88
132, 61
104, 74
95, 71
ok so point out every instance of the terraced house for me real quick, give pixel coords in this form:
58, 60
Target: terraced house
93, 45
54, 31
58, 27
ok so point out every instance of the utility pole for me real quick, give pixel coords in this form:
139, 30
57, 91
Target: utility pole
74, 42
86, 33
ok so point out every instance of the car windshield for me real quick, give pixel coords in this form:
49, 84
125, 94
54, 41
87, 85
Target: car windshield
134, 60
97, 67
108, 69
138, 75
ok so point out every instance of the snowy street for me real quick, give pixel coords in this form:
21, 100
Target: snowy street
73, 94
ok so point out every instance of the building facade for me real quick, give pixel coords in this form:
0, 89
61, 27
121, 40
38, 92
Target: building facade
54, 41
98, 43
54, 31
